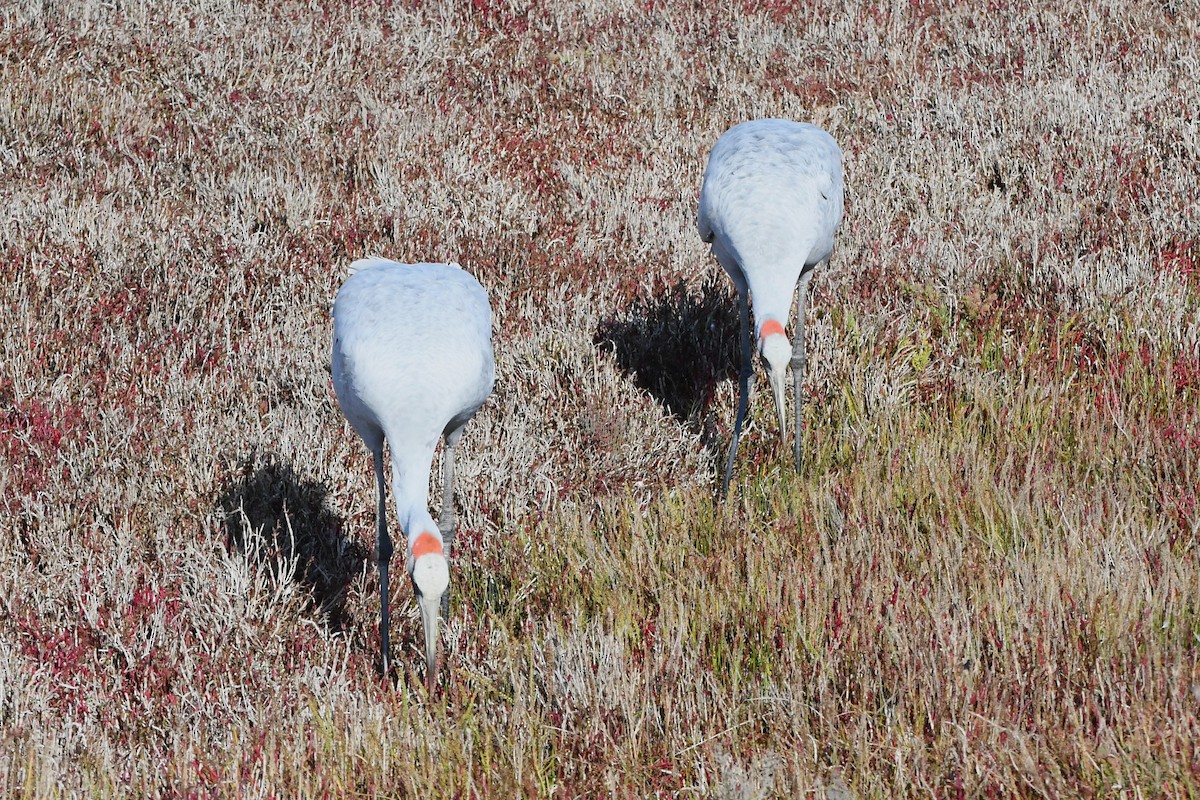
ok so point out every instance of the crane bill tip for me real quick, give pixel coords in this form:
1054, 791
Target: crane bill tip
431, 676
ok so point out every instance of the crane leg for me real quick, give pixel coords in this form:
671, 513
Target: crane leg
799, 362
743, 388
446, 520
383, 550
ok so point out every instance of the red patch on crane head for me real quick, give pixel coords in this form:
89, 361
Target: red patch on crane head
769, 327
425, 544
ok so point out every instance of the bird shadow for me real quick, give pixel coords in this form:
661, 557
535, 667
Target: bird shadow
677, 345
276, 518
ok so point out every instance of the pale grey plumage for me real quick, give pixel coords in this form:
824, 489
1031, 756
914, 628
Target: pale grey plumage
412, 362
769, 206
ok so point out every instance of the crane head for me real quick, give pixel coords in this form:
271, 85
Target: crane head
431, 577
776, 351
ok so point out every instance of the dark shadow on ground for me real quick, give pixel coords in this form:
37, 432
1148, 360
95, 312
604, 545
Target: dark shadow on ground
292, 514
677, 345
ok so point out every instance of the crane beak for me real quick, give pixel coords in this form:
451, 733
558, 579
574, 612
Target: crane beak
778, 378
430, 605
431, 579
777, 352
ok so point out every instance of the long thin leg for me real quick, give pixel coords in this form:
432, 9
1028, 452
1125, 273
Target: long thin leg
800, 361
743, 388
383, 550
446, 520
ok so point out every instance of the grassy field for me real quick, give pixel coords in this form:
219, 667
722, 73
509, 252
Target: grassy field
985, 582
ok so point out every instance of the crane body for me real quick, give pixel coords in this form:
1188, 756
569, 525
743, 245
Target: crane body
412, 363
770, 204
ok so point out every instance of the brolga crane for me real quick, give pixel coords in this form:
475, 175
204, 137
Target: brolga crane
769, 206
412, 362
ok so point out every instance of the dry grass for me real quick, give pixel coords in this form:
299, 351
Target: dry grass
984, 583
